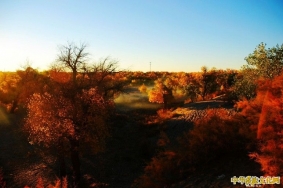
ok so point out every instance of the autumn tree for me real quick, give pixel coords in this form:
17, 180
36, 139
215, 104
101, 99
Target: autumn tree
78, 111
143, 88
8, 90
262, 63
190, 85
16, 88
267, 109
156, 94
161, 93
192, 90
207, 82
245, 85
266, 63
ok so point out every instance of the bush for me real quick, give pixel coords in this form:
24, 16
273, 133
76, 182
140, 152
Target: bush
216, 135
143, 89
165, 114
269, 126
213, 137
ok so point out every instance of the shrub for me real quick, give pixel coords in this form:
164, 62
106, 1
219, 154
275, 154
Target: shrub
165, 114
217, 134
269, 127
213, 137
143, 89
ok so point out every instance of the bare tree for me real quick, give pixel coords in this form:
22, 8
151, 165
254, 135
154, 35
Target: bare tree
73, 57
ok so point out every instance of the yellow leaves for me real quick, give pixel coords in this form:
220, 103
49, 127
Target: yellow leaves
155, 96
143, 89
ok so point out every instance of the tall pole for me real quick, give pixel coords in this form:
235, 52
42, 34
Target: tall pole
149, 66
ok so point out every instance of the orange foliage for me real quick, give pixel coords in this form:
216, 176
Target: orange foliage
143, 89
270, 127
214, 136
156, 94
51, 118
57, 184
47, 119
16, 88
165, 113
217, 133
60, 77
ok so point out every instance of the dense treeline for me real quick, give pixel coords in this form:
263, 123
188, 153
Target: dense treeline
17, 87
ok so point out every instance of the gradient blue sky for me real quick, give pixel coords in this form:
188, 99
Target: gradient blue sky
173, 35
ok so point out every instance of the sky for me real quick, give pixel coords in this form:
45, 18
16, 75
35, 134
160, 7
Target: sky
174, 36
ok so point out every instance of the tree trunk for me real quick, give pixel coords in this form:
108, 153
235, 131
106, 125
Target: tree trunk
75, 162
14, 106
61, 161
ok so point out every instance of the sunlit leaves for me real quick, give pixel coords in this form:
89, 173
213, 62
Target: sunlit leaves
8, 86
16, 88
265, 111
143, 88
156, 93
155, 96
48, 119
267, 63
262, 63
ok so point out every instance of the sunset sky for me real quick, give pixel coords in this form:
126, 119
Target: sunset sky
172, 35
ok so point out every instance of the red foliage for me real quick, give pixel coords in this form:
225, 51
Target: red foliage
215, 136
267, 109
60, 77
57, 184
